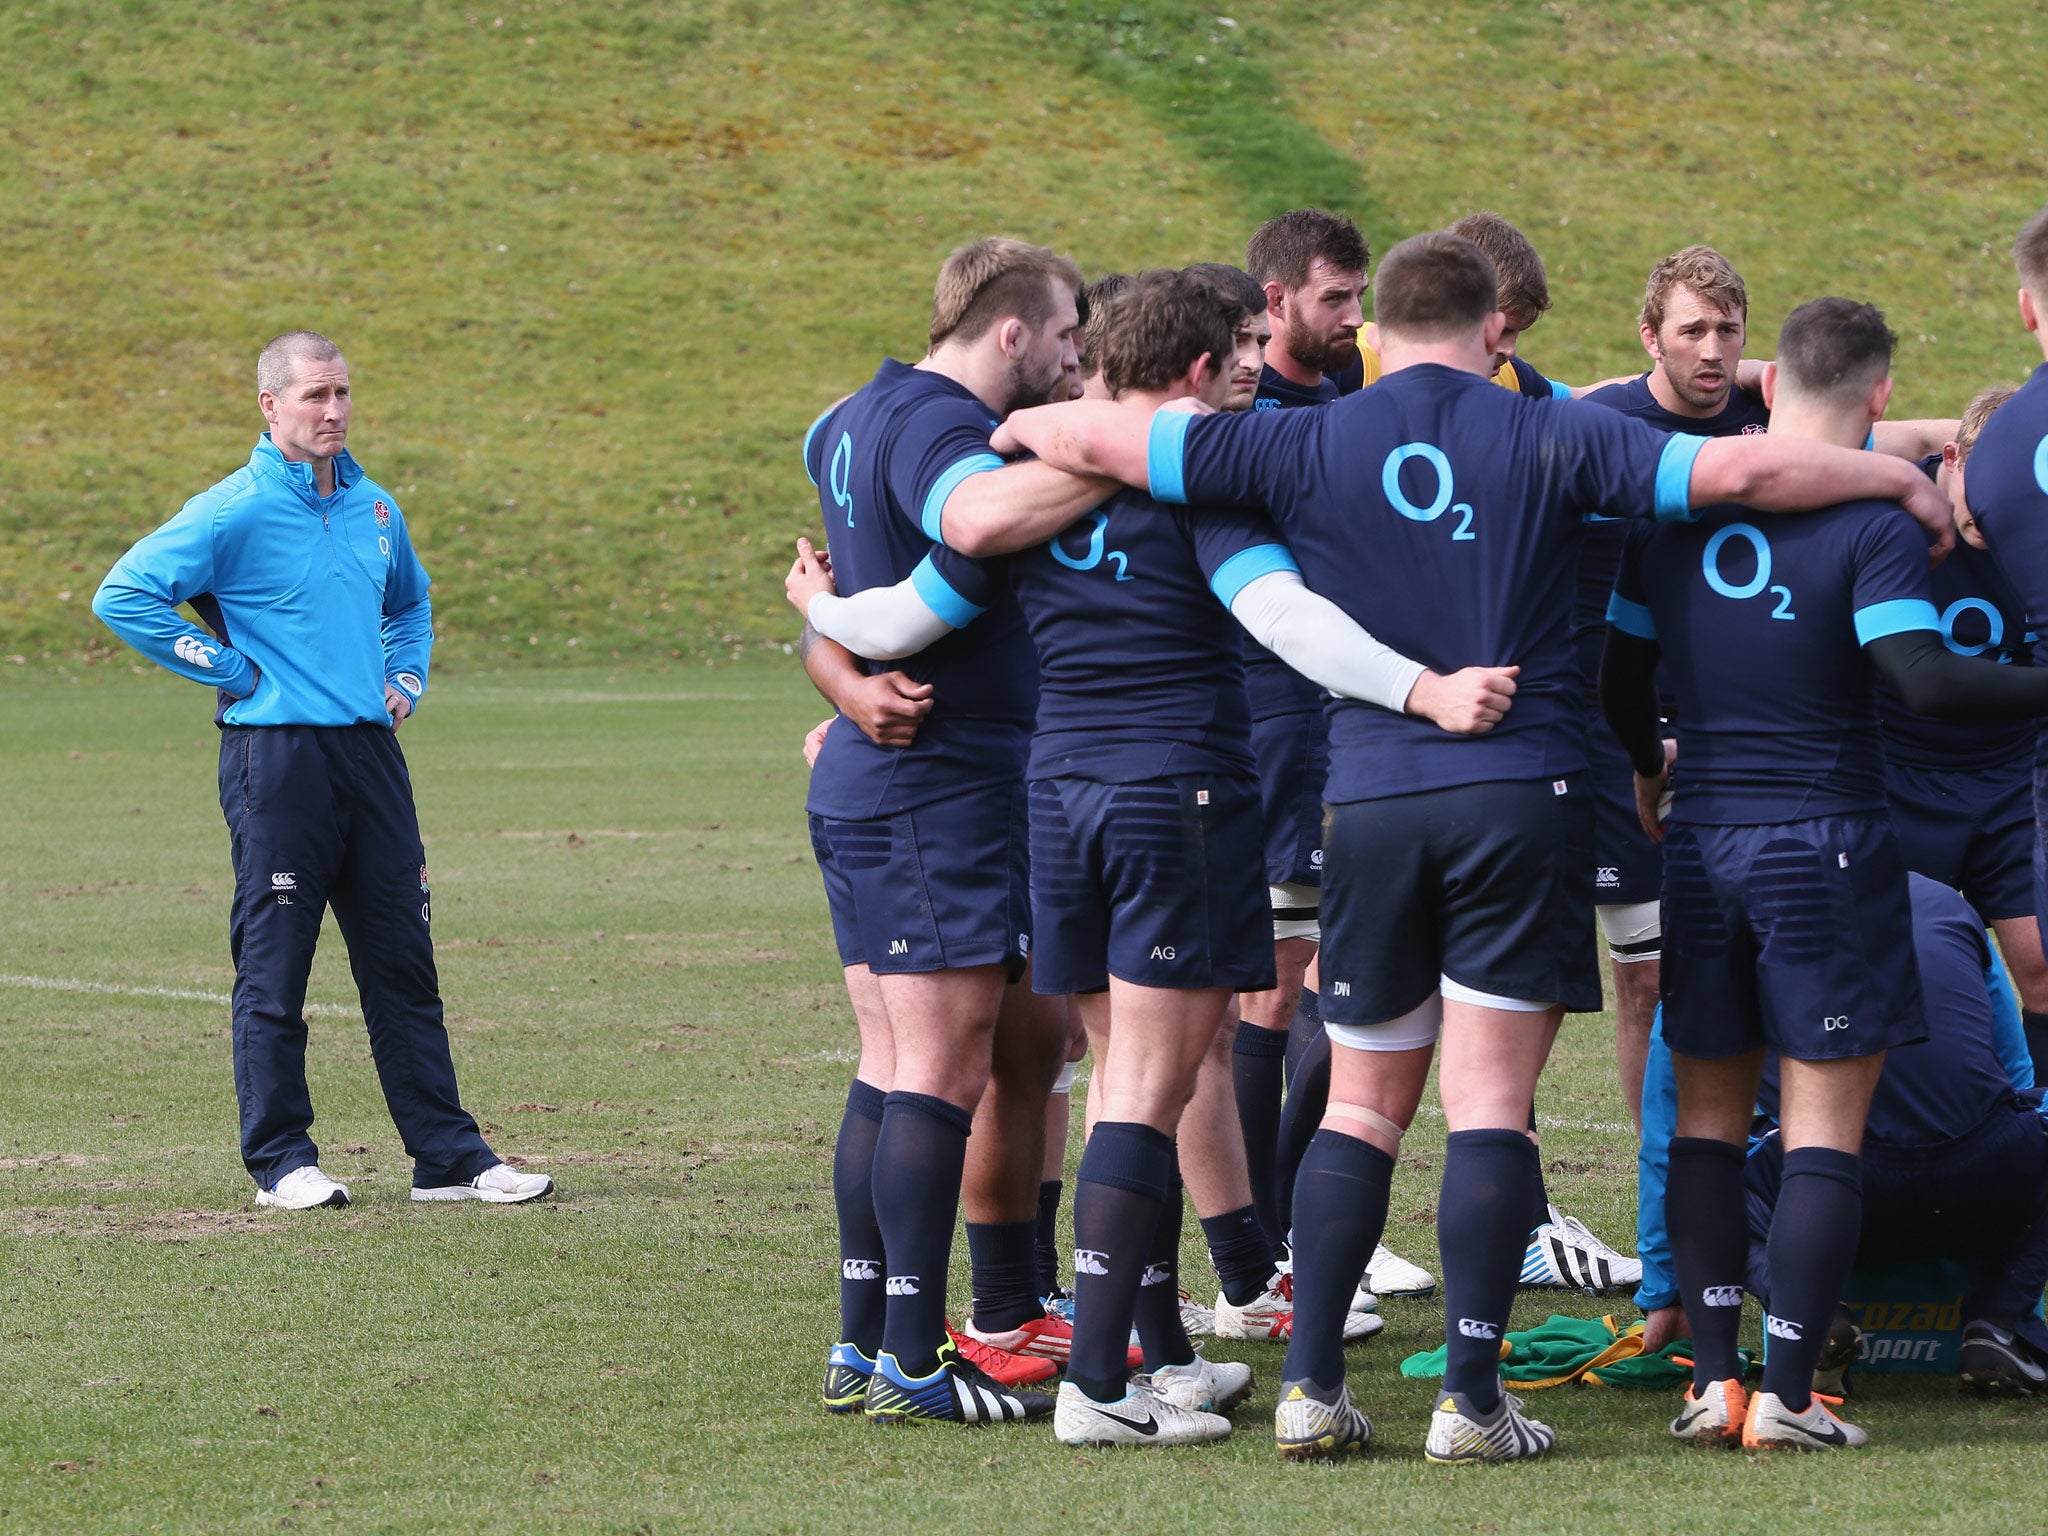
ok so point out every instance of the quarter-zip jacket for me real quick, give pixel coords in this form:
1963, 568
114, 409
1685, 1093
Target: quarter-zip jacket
321, 595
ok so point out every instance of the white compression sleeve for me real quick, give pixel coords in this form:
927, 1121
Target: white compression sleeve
1319, 640
882, 623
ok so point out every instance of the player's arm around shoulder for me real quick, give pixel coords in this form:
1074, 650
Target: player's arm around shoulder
138, 599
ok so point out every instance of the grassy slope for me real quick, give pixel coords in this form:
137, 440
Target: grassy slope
629, 936
597, 266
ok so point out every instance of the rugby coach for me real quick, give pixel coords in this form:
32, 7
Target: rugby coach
301, 567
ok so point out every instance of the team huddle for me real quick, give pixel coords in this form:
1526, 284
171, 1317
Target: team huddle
1272, 706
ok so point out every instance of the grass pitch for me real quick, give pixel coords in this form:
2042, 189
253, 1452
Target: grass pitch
635, 955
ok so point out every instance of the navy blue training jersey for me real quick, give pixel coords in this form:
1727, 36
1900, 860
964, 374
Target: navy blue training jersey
1762, 622
1442, 513
1276, 688
1743, 414
1138, 667
2006, 481
1945, 1086
1979, 615
884, 460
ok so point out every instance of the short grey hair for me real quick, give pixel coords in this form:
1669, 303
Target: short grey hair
278, 364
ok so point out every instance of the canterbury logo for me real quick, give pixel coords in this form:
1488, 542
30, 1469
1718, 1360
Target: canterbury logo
284, 882
191, 649
1473, 1328
859, 1269
1723, 1296
902, 1285
1087, 1261
1779, 1328
1156, 1274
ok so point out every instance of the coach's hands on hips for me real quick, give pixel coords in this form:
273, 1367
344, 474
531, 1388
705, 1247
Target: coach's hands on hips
811, 575
1469, 702
397, 704
1653, 796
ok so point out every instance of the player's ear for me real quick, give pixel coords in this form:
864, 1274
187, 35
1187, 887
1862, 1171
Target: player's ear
1880, 397
1650, 343
1951, 458
1010, 336
1768, 384
2030, 314
1490, 333
1276, 299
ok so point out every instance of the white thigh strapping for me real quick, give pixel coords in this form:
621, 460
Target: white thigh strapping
1411, 1031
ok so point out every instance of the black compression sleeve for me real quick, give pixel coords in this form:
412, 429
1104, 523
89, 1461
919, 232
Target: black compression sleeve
1930, 679
1628, 698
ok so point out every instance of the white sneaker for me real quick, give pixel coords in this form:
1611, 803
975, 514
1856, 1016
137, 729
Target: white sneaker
1140, 1417
1771, 1426
1208, 1386
1715, 1419
1268, 1315
303, 1189
1564, 1254
1195, 1319
1459, 1432
499, 1184
1305, 1428
1363, 1300
1389, 1274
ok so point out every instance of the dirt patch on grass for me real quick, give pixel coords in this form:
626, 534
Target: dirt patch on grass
155, 1226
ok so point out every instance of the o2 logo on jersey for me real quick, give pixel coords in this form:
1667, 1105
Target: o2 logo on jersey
1095, 554
1710, 565
840, 476
1994, 624
2041, 465
1430, 454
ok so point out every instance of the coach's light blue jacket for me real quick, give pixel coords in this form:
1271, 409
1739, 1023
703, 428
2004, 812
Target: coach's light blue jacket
323, 595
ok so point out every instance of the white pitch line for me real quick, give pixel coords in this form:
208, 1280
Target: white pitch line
171, 994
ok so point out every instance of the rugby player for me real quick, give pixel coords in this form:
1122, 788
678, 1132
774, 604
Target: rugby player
1955, 1159
2007, 496
316, 642
921, 846
1785, 894
1144, 819
1962, 794
1457, 888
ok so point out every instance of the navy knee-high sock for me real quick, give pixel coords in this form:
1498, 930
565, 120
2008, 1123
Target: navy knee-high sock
1308, 1095
1705, 1214
1239, 1250
1256, 1062
2036, 1026
1488, 1176
1002, 1262
1047, 1242
1119, 1192
918, 1157
1157, 1313
1813, 1246
861, 1270
1303, 1029
1340, 1198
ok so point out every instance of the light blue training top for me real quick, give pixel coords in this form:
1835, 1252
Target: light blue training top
320, 595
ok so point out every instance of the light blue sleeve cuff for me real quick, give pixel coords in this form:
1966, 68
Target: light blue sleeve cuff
1630, 618
1674, 477
813, 432
1166, 456
935, 500
1560, 391
1247, 566
1896, 617
939, 596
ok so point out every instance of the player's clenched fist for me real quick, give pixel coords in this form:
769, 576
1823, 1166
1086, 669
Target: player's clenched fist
1469, 702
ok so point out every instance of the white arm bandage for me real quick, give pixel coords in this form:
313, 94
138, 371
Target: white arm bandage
882, 623
1318, 639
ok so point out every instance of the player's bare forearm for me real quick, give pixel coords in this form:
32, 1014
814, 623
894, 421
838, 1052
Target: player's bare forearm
1017, 506
832, 668
1915, 439
1775, 474
1086, 437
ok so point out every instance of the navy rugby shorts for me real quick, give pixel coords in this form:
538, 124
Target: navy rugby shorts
1155, 883
1796, 937
936, 888
1293, 754
1970, 830
1487, 885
